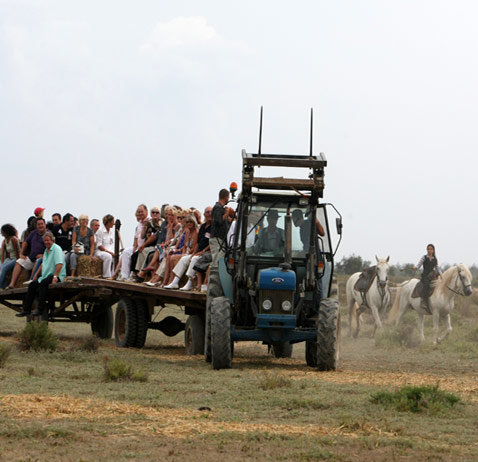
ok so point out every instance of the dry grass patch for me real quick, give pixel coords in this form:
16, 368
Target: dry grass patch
270, 381
176, 423
87, 343
397, 336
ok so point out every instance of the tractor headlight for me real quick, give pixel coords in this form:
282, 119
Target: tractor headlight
267, 304
286, 305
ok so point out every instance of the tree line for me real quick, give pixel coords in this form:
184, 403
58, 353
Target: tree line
355, 263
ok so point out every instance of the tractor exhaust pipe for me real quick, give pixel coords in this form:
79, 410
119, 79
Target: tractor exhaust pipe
288, 238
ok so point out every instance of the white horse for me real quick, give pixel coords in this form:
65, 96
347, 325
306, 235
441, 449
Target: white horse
455, 280
376, 299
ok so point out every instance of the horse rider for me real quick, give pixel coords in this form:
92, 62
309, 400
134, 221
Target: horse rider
431, 271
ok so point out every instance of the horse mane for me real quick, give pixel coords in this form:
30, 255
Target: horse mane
450, 273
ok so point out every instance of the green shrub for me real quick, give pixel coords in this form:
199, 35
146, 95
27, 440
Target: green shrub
271, 381
5, 351
37, 337
117, 370
416, 399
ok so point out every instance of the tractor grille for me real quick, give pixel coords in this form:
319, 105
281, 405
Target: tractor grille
276, 297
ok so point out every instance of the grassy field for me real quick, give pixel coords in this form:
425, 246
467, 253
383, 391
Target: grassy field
57, 406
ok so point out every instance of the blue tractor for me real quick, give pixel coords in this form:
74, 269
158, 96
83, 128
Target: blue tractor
276, 278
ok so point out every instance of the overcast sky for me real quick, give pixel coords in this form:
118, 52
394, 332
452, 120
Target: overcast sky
104, 105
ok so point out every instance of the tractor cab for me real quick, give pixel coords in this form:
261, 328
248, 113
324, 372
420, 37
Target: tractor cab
277, 273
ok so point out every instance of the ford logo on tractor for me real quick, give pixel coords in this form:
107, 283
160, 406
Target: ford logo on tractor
278, 280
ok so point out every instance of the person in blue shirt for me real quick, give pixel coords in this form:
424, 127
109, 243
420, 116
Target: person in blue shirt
51, 271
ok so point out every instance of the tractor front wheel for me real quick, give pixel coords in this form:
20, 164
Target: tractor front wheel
221, 346
328, 335
282, 350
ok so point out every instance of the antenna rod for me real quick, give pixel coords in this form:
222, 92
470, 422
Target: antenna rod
260, 136
311, 129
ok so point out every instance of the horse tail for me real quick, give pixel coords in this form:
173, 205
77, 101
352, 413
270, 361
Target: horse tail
393, 314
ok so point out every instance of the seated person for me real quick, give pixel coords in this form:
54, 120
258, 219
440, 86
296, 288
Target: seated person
197, 215
187, 247
39, 212
35, 243
9, 253
187, 262
173, 236
55, 221
202, 270
150, 236
52, 271
105, 244
83, 242
201, 257
130, 255
64, 232
95, 226
271, 239
31, 226
304, 225
254, 226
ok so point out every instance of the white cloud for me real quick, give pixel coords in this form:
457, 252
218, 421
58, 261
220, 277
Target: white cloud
179, 32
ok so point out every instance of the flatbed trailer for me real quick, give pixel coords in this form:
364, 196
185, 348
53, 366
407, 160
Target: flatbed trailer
91, 300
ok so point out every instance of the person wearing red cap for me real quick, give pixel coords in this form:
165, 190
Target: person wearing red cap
38, 212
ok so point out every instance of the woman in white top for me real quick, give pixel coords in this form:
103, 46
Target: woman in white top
105, 245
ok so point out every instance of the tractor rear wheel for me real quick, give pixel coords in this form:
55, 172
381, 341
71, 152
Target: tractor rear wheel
282, 349
221, 346
311, 353
328, 335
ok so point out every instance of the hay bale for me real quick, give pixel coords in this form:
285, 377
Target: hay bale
89, 266
23, 277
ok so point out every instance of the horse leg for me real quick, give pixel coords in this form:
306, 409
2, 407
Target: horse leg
448, 328
421, 323
376, 317
351, 306
436, 320
401, 311
358, 312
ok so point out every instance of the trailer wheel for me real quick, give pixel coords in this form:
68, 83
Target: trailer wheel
282, 349
328, 335
221, 348
142, 319
194, 335
125, 323
102, 321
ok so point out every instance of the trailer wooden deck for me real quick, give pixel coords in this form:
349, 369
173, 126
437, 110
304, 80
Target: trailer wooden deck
90, 300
